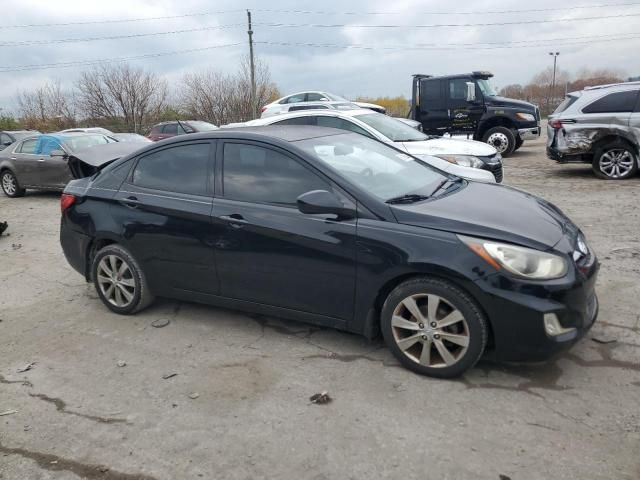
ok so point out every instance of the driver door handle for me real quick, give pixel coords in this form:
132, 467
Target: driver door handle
131, 202
234, 220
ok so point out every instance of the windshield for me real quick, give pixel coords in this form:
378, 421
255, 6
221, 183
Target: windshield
85, 141
202, 126
486, 87
373, 166
391, 128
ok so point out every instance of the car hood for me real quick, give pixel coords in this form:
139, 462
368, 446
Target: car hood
491, 211
498, 101
449, 146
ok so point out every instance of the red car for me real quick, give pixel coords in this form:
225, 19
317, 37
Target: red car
171, 129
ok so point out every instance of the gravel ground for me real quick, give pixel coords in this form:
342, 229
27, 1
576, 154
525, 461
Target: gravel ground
95, 403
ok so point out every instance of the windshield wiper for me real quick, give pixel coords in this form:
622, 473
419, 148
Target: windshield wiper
410, 198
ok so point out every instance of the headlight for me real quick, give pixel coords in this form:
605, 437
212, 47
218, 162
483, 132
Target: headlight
463, 160
526, 116
521, 261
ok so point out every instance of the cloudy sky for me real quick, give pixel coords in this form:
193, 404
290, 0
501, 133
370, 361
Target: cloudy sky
420, 45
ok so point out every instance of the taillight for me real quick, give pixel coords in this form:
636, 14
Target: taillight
263, 109
557, 124
66, 200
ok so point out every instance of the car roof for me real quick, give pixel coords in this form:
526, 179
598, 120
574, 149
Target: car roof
286, 133
325, 111
35, 132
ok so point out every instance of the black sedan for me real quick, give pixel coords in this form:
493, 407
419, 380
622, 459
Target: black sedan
337, 229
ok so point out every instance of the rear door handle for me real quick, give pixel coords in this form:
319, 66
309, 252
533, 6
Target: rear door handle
131, 202
235, 220
41, 160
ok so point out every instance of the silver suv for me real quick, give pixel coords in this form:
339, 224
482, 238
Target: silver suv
601, 126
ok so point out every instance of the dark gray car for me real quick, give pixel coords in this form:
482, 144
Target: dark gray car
43, 161
7, 137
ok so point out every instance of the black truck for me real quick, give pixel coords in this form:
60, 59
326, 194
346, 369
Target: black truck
467, 104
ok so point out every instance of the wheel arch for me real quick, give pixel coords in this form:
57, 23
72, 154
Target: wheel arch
496, 121
94, 246
372, 323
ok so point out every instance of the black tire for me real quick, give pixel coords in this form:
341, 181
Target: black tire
519, 143
141, 297
502, 139
476, 330
621, 150
7, 176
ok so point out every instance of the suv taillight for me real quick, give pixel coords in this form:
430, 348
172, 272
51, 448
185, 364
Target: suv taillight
263, 109
66, 200
557, 124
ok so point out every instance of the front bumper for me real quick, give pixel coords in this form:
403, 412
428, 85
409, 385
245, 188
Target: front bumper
529, 133
516, 310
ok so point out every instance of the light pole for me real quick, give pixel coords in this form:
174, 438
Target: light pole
553, 81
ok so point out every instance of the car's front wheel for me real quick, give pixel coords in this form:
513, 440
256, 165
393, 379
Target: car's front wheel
433, 328
119, 281
502, 139
615, 161
10, 185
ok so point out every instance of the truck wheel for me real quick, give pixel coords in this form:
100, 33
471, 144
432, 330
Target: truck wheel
519, 142
502, 139
615, 161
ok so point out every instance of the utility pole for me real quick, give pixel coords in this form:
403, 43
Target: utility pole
553, 81
254, 107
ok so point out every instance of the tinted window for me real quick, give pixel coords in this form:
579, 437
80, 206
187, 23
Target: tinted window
334, 122
28, 146
430, 89
294, 98
296, 121
180, 169
316, 97
261, 175
566, 103
614, 102
458, 89
171, 129
202, 126
5, 139
306, 107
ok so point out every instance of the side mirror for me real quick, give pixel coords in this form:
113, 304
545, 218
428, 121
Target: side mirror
321, 201
471, 92
57, 153
6, 144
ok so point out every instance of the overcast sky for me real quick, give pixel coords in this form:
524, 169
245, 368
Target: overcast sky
349, 72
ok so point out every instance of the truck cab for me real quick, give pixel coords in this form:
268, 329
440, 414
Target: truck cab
467, 104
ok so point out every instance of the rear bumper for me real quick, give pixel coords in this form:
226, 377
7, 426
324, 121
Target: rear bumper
75, 246
560, 157
529, 133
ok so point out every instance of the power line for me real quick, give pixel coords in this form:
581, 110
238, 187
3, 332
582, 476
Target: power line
474, 12
21, 43
450, 46
310, 12
82, 63
437, 25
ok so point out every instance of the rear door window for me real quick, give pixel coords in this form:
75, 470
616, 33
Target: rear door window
181, 169
316, 97
431, 94
294, 98
28, 146
619, 102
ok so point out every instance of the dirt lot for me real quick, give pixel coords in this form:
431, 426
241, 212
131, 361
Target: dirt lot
81, 415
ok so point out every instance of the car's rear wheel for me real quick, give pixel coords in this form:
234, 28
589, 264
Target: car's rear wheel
119, 281
10, 185
615, 161
502, 139
433, 328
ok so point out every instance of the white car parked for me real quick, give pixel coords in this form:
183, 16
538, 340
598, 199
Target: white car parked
283, 105
465, 158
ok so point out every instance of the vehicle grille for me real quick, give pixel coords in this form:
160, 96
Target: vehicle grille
494, 167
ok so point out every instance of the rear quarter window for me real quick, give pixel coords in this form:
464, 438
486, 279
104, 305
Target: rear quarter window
566, 103
619, 102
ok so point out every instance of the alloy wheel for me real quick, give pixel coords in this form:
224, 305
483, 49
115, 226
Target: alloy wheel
116, 281
499, 141
616, 163
9, 184
430, 331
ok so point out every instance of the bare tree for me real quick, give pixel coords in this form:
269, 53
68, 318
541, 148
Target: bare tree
221, 99
49, 107
123, 95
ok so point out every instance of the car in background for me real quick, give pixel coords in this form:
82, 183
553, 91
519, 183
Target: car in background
7, 137
282, 105
172, 128
45, 162
130, 137
601, 126
466, 158
100, 130
340, 230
